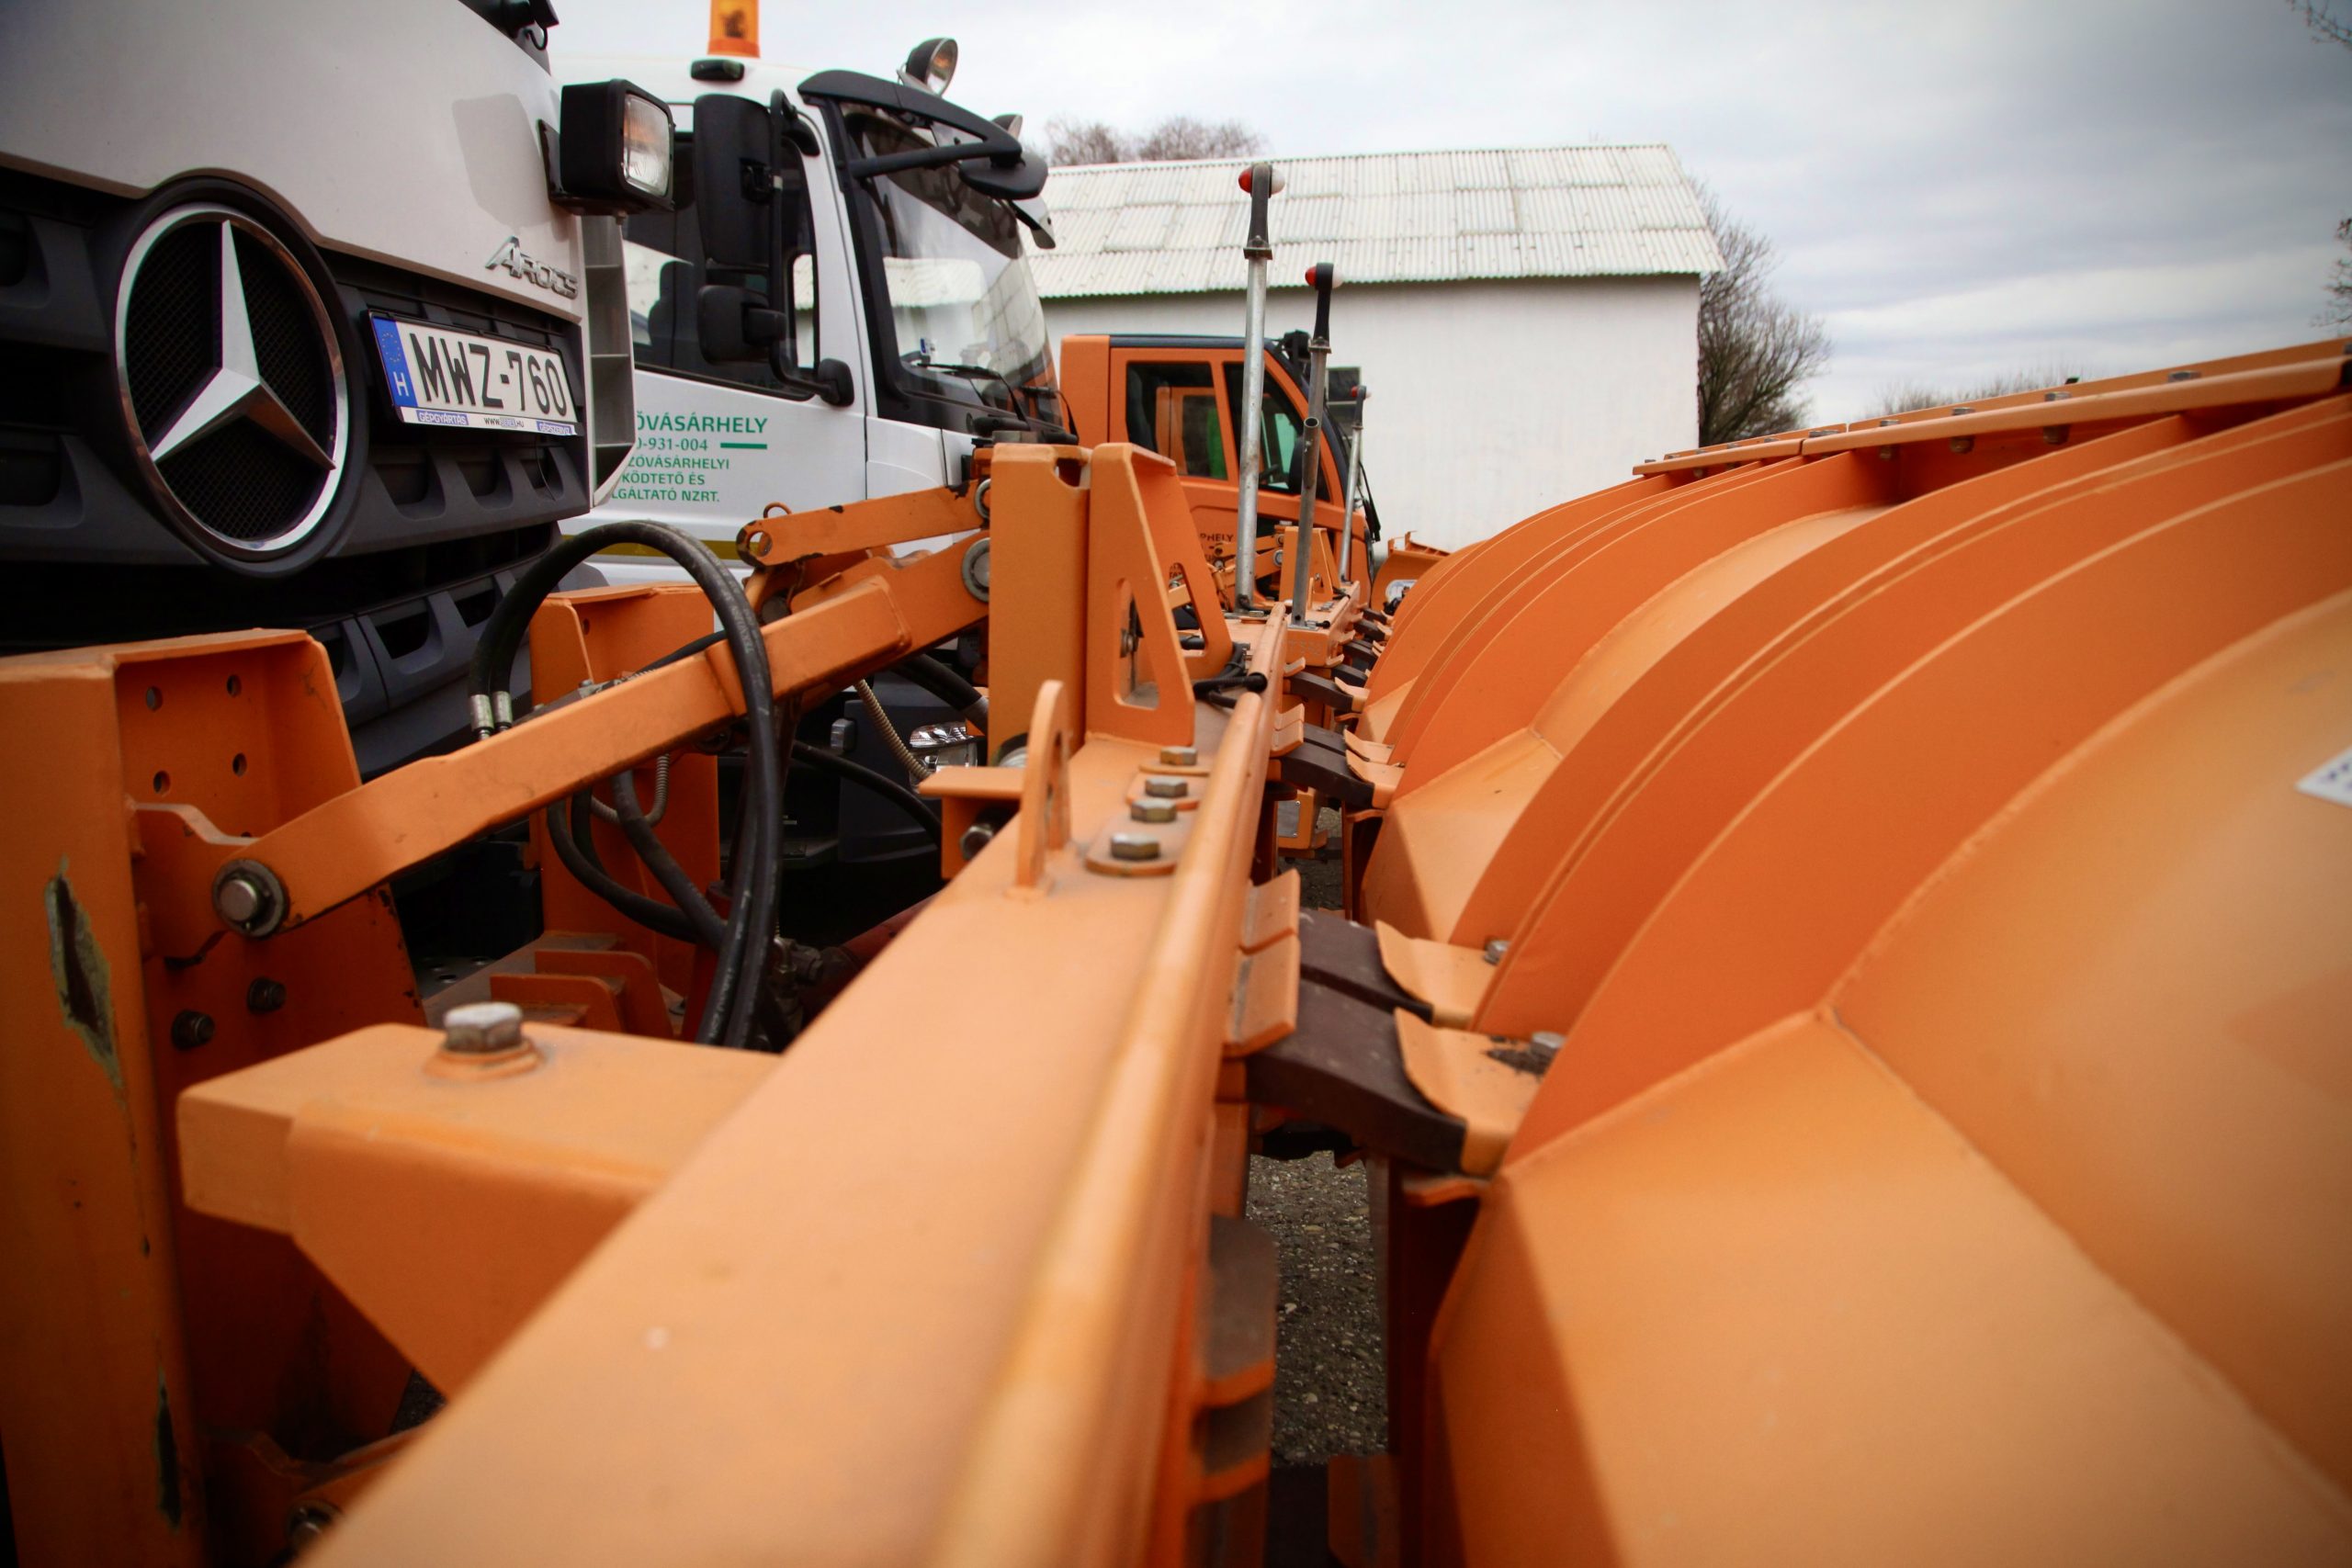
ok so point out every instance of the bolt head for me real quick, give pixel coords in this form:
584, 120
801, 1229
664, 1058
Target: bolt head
191, 1030
481, 1028
976, 839
1166, 788
308, 1523
265, 995
239, 900
1180, 756
1151, 811
1495, 949
1133, 846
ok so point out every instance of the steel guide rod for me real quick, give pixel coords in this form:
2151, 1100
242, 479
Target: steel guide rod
1355, 490
1322, 277
1261, 181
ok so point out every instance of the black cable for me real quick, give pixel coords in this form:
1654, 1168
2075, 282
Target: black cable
899, 795
650, 913
709, 928
752, 890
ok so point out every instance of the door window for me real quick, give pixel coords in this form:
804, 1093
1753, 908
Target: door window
1173, 410
663, 255
1279, 432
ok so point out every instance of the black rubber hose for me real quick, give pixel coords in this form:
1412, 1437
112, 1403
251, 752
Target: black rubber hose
708, 927
899, 795
650, 913
752, 890
947, 684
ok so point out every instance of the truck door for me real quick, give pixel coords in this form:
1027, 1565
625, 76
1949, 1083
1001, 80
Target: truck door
717, 443
1185, 403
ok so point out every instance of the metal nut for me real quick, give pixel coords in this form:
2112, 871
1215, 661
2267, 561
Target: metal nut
1151, 811
976, 839
1180, 756
265, 995
1495, 949
976, 570
481, 1028
1133, 846
1161, 788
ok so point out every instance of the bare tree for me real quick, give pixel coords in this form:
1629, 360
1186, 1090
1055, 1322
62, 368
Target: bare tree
1177, 137
1754, 351
2327, 18
1902, 397
1181, 136
1084, 141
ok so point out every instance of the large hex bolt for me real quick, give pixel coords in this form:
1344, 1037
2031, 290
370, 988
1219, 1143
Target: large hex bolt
481, 1028
1133, 846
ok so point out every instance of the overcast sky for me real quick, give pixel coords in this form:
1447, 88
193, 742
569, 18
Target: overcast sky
1956, 189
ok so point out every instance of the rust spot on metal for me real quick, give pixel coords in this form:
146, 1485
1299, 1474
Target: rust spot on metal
167, 1457
79, 967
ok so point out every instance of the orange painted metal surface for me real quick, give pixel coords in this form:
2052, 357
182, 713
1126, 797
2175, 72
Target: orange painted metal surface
448, 1194
1947, 977
1889, 988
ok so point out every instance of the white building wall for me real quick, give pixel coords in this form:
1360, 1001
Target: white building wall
1490, 400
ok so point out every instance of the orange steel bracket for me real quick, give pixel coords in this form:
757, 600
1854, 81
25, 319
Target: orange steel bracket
1452, 980
1475, 1076
355, 840
446, 1194
865, 524
1045, 789
1142, 544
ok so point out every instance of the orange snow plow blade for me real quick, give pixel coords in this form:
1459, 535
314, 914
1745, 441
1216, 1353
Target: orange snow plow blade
1844, 997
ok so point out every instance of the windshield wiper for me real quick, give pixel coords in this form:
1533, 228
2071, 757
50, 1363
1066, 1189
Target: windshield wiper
923, 361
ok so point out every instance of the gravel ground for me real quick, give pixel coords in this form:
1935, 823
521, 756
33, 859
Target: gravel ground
1329, 1395
1329, 1398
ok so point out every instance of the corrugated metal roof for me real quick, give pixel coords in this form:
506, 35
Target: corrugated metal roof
1383, 217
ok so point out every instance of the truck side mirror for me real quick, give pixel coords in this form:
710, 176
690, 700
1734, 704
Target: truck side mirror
736, 325
734, 141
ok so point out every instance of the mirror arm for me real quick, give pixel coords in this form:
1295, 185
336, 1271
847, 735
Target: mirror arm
931, 158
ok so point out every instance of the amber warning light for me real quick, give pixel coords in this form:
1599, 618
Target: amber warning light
735, 27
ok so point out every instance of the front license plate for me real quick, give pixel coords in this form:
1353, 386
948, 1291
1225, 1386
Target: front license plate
439, 377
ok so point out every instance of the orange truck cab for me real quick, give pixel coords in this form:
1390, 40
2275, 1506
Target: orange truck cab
1181, 396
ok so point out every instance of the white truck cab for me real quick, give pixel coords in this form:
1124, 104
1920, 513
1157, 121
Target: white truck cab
893, 219
307, 318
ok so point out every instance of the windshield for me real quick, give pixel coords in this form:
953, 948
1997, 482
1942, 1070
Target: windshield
963, 304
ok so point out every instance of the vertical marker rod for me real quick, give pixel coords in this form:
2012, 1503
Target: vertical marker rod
1355, 490
1321, 277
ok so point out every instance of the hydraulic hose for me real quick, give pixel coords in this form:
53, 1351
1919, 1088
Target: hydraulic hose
946, 683
564, 833
708, 927
653, 814
752, 890
857, 773
916, 771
